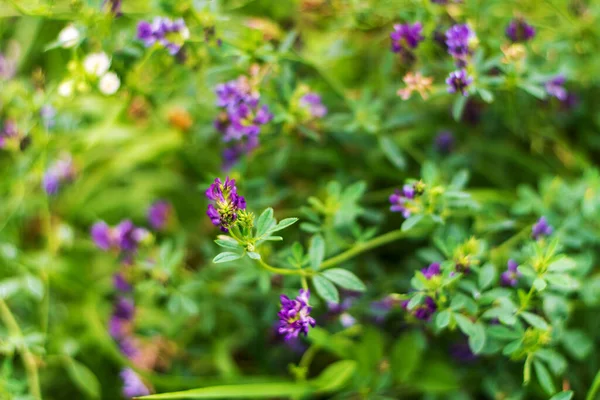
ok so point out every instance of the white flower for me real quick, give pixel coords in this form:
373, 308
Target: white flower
69, 36
65, 89
109, 83
96, 64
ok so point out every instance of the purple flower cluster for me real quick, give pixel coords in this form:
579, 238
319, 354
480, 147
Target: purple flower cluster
444, 142
458, 82
423, 311
519, 31
159, 214
8, 131
313, 104
555, 87
541, 229
227, 203
60, 172
294, 316
510, 277
124, 237
459, 39
432, 270
242, 117
133, 386
400, 200
406, 37
168, 33
119, 325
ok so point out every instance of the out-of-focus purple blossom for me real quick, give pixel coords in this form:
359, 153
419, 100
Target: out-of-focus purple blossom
519, 31
170, 34
226, 203
133, 386
400, 200
541, 229
313, 104
555, 87
423, 311
120, 283
462, 353
383, 307
294, 316
458, 82
159, 214
8, 131
510, 277
347, 320
124, 237
48, 114
406, 37
237, 149
60, 172
459, 40
432, 270
444, 142
129, 347
124, 308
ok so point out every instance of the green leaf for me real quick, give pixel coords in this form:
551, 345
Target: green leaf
392, 152
316, 251
562, 264
345, 279
556, 362
410, 222
533, 90
534, 320
83, 378
246, 391
486, 95
407, 354
226, 256
477, 338
228, 244
338, 345
577, 343
544, 377
264, 222
442, 318
435, 377
458, 107
567, 395
487, 275
465, 324
563, 281
335, 376
253, 255
539, 284
283, 224
502, 332
325, 289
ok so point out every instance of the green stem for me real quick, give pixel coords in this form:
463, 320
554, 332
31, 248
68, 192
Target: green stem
362, 247
304, 273
591, 395
28, 358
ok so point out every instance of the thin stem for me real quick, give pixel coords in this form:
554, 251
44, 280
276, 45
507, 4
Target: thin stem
282, 271
28, 358
591, 395
362, 247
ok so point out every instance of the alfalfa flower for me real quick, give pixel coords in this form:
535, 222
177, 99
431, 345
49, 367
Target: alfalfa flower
422, 311
401, 201
460, 40
444, 142
294, 316
125, 237
518, 30
133, 386
227, 203
60, 172
69, 36
312, 103
406, 37
159, 214
415, 82
555, 87
432, 270
541, 229
170, 34
459, 82
510, 277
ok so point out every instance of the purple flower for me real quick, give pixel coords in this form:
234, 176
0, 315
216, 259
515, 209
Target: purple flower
458, 82
101, 235
519, 31
459, 39
510, 277
133, 385
226, 205
312, 102
432, 270
541, 229
423, 311
124, 308
59, 172
444, 142
158, 214
294, 316
167, 33
129, 347
124, 237
400, 199
555, 87
120, 283
406, 37
461, 352
236, 150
